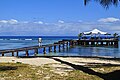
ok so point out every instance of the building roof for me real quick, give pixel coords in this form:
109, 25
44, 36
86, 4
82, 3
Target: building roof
95, 31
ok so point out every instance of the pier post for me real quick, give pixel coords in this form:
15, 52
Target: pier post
87, 43
71, 43
12, 53
92, 43
44, 50
59, 47
97, 43
116, 43
112, 43
27, 54
107, 43
2, 54
67, 45
84, 43
78, 42
36, 51
50, 49
63, 46
101, 43
16, 53
54, 48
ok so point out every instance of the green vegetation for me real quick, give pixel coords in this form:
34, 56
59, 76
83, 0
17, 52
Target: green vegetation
104, 3
80, 35
19, 71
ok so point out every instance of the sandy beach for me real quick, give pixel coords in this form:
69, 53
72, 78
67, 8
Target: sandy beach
74, 60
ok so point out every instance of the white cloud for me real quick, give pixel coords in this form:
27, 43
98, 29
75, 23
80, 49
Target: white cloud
67, 28
39, 22
11, 21
60, 21
111, 19
3, 21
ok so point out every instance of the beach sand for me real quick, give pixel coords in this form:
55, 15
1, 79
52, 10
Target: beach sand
74, 60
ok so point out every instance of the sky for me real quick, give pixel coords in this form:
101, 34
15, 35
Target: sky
55, 17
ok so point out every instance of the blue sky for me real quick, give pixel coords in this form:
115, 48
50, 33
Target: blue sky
55, 17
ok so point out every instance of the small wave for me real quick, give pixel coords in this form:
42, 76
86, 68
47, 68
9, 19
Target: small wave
28, 39
13, 39
1, 39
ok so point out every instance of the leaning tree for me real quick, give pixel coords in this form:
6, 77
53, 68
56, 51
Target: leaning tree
104, 3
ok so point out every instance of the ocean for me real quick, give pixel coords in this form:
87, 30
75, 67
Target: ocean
13, 42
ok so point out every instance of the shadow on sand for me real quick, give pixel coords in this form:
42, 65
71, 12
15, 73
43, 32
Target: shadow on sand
5, 68
115, 75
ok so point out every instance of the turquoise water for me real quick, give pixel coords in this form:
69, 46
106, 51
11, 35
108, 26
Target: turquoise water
23, 41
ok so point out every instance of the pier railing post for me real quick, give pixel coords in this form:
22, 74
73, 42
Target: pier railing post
27, 54
59, 47
12, 53
2, 54
36, 51
54, 48
71, 43
50, 49
44, 50
63, 46
67, 45
16, 53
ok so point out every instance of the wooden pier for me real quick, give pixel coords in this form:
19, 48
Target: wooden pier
95, 42
62, 45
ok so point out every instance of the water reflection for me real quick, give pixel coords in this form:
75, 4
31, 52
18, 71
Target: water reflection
91, 51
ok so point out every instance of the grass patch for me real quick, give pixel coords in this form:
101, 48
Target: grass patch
19, 71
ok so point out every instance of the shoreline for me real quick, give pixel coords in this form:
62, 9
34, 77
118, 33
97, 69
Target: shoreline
38, 61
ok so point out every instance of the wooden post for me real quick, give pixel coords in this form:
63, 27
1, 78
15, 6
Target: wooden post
87, 43
63, 46
44, 50
17, 53
112, 43
116, 43
71, 43
54, 48
67, 45
12, 53
50, 49
84, 43
36, 51
78, 42
101, 43
59, 47
97, 43
2, 53
27, 54
107, 43
92, 43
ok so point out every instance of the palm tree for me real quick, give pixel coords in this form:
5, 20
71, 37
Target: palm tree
80, 35
104, 3
115, 35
